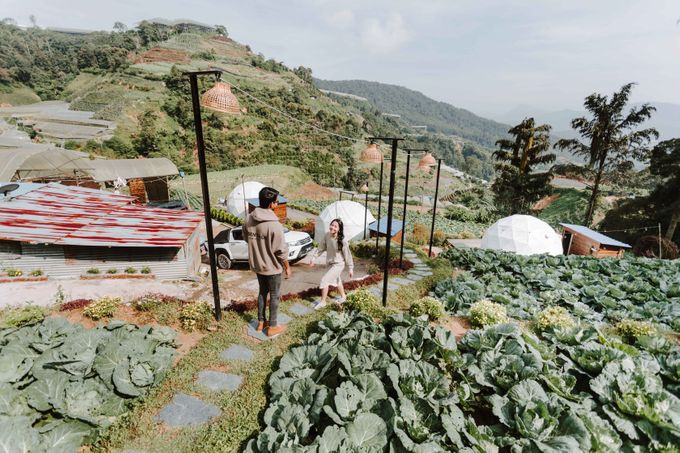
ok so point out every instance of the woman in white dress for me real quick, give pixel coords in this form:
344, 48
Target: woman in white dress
338, 256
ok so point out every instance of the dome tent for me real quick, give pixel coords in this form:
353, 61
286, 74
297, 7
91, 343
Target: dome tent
352, 215
524, 235
236, 202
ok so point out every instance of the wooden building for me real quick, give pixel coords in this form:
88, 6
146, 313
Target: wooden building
280, 210
580, 240
379, 228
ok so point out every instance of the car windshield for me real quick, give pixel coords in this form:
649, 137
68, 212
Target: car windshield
222, 236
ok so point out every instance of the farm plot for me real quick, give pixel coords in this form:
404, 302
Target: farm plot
590, 289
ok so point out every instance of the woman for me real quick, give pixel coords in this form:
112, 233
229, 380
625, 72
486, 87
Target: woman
337, 257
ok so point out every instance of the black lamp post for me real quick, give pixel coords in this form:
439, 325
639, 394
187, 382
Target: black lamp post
434, 208
221, 99
403, 217
377, 235
364, 189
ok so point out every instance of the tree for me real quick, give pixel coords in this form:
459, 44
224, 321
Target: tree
221, 30
120, 27
665, 163
518, 186
147, 139
609, 135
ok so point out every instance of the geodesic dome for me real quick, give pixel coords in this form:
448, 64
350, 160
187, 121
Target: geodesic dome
524, 235
236, 201
352, 215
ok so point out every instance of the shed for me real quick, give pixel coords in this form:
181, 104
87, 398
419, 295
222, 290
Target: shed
581, 240
280, 210
379, 228
66, 230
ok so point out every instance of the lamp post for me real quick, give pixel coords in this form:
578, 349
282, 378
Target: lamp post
434, 208
218, 99
390, 208
403, 217
364, 189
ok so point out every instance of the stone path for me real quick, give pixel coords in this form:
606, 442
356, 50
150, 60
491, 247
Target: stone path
185, 410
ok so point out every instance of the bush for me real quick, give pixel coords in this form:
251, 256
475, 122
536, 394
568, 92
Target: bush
93, 270
372, 269
225, 217
113, 270
429, 306
554, 317
75, 304
18, 317
145, 270
14, 273
37, 273
365, 302
197, 315
130, 270
420, 235
630, 330
363, 249
151, 301
487, 313
439, 238
102, 308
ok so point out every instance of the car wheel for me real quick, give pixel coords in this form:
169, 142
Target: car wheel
223, 261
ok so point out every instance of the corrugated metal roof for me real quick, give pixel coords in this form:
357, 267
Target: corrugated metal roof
594, 235
110, 170
58, 214
381, 226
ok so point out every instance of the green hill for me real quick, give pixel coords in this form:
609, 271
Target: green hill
417, 109
134, 78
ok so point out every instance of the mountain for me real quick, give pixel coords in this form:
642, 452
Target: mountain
666, 119
419, 110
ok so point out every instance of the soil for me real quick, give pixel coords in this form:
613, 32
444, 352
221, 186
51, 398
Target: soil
459, 326
185, 340
158, 54
545, 202
313, 191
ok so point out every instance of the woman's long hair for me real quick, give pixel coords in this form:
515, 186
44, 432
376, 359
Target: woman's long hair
341, 232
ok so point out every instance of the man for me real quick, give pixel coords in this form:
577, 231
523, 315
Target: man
268, 257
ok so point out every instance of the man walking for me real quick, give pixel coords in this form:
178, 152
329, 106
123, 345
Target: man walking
268, 257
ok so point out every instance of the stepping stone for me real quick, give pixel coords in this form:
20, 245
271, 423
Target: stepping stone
416, 260
375, 291
421, 266
392, 287
282, 318
299, 310
133, 451
401, 281
414, 277
216, 381
410, 256
237, 352
185, 410
423, 273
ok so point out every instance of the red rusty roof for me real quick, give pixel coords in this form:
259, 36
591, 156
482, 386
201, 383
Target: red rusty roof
69, 215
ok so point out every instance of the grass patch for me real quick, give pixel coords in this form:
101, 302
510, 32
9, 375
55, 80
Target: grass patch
242, 410
570, 207
19, 96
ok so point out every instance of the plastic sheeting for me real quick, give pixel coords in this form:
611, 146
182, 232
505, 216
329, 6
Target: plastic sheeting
524, 235
352, 215
237, 201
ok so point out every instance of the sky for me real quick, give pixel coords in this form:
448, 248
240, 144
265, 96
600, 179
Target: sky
488, 56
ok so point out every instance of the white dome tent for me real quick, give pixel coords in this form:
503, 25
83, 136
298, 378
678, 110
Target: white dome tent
352, 215
524, 235
237, 202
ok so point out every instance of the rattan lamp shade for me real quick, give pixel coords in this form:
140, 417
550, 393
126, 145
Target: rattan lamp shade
424, 168
221, 99
427, 160
364, 188
371, 154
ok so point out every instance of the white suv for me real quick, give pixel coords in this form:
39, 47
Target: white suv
230, 246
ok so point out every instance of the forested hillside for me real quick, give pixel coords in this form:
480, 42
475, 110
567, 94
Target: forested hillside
417, 109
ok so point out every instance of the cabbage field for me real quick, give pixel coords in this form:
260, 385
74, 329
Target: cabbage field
406, 385
60, 383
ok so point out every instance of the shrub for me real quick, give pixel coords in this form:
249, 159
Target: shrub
197, 315
439, 238
113, 270
93, 270
130, 270
553, 317
150, 301
630, 330
365, 302
420, 235
102, 308
21, 316
14, 273
75, 304
429, 306
363, 249
372, 269
487, 313
225, 217
145, 270
36, 273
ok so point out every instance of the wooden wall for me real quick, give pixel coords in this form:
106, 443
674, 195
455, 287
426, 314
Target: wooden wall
583, 245
280, 211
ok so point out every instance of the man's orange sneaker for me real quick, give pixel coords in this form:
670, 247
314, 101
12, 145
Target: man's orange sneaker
275, 330
261, 325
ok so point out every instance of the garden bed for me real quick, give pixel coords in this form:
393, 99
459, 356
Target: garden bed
116, 276
22, 279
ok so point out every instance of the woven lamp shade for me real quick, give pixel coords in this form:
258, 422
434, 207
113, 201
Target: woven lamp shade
221, 99
424, 168
364, 188
428, 160
371, 154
